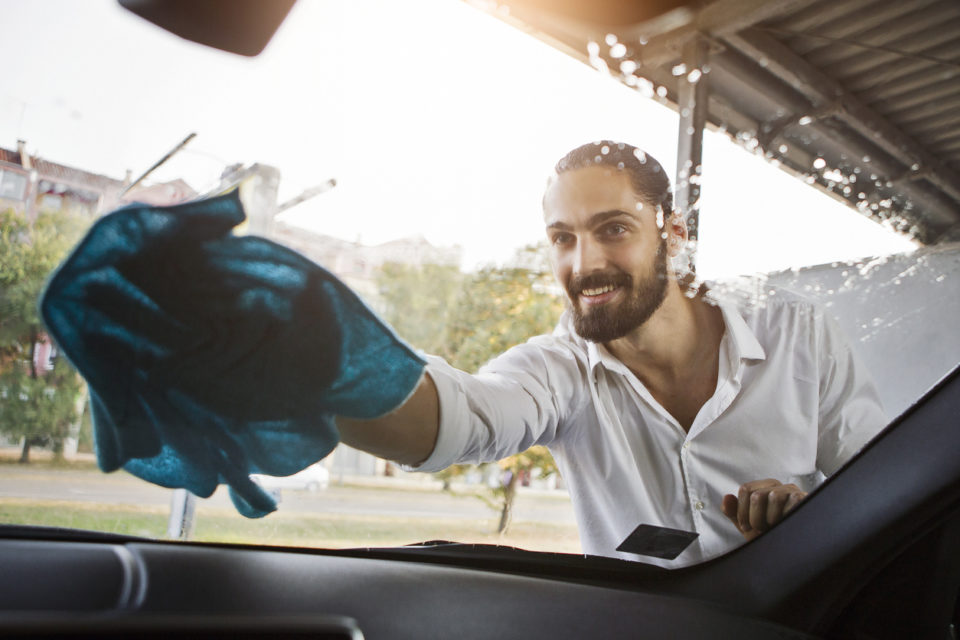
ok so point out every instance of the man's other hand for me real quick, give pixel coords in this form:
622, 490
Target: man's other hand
761, 504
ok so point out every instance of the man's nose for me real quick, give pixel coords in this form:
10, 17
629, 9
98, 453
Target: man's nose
588, 258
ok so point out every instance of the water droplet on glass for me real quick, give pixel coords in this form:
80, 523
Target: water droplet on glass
627, 67
819, 163
694, 76
641, 156
679, 69
620, 166
662, 91
593, 49
645, 87
914, 167
611, 39
782, 148
660, 221
604, 149
866, 158
804, 121
940, 278
618, 50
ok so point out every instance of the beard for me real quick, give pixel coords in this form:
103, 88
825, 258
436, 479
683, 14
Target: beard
609, 322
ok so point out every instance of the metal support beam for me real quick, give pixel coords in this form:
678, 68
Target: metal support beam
940, 204
819, 88
660, 40
692, 103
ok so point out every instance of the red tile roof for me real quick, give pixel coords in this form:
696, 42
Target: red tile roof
53, 171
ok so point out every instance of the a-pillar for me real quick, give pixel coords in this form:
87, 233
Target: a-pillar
692, 98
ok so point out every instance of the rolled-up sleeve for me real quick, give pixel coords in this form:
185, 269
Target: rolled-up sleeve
518, 400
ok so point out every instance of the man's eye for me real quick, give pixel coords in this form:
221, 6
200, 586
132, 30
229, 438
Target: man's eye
614, 229
562, 239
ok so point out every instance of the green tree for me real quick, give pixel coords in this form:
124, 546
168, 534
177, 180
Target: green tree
35, 404
500, 307
469, 319
417, 301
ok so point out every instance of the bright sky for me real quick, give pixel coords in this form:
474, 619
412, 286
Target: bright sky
434, 118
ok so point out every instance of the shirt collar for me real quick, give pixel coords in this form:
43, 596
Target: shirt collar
742, 341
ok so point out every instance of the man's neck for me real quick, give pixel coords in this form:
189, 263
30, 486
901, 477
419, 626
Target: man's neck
675, 354
673, 338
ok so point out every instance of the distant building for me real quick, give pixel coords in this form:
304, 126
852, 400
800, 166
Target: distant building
356, 264
32, 184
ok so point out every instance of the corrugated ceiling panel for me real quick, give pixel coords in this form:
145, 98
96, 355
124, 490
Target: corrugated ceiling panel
902, 59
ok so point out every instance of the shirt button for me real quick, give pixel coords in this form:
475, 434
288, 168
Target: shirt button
686, 445
698, 506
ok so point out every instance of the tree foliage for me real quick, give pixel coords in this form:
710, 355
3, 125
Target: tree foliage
469, 319
418, 301
35, 404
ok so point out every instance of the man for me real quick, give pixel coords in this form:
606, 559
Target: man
661, 405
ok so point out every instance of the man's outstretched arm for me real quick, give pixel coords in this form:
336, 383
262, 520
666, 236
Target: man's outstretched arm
406, 435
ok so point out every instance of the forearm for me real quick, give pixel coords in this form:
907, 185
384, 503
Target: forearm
406, 435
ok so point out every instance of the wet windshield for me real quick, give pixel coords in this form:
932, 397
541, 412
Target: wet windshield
406, 148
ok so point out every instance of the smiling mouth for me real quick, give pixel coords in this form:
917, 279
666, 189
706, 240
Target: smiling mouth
598, 295
598, 290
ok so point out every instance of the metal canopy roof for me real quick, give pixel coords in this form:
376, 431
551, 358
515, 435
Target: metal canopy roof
859, 97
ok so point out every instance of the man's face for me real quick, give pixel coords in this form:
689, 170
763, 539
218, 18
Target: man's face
608, 251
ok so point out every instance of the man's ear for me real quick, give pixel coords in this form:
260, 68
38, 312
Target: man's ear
677, 233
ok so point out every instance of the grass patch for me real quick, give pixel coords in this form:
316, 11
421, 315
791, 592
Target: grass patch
49, 463
288, 529
149, 522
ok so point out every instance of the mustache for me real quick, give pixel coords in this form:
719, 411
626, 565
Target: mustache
596, 280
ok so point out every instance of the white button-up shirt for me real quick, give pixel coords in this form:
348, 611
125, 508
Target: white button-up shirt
792, 403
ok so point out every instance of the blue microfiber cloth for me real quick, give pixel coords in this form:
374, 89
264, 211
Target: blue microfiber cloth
211, 356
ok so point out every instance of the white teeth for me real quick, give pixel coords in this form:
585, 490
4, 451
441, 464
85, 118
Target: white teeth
599, 290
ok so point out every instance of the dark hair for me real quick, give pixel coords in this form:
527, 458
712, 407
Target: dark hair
647, 177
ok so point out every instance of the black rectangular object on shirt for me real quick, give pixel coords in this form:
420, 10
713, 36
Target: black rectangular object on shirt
658, 542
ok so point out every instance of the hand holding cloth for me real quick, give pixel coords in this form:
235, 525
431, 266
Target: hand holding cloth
211, 356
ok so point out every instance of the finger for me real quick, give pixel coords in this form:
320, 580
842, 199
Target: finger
776, 500
758, 510
746, 491
781, 500
729, 508
794, 499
